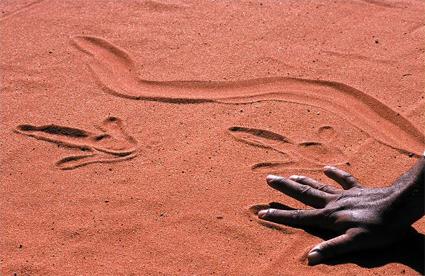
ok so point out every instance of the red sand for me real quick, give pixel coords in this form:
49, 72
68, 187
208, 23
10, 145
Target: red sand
155, 123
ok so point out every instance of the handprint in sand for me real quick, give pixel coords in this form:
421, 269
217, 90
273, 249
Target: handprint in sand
305, 155
110, 143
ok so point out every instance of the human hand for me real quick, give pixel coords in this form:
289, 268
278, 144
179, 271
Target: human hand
363, 218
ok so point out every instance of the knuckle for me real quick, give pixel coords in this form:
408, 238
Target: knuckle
305, 189
323, 187
325, 212
329, 213
296, 215
349, 178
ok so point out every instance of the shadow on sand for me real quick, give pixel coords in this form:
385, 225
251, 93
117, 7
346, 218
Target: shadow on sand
408, 251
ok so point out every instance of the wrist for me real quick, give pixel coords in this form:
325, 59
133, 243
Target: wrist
408, 194
413, 178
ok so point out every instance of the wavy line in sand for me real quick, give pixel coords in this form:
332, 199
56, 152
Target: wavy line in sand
110, 144
116, 73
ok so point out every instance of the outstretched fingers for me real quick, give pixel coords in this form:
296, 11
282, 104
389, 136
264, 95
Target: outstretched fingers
353, 240
293, 217
314, 184
304, 193
346, 180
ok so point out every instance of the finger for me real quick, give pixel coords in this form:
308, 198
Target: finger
75, 161
303, 193
353, 240
60, 135
346, 180
314, 183
293, 217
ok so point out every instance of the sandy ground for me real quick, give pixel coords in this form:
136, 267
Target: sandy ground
136, 135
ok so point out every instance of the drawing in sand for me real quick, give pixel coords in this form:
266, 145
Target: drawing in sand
109, 144
115, 72
178, 137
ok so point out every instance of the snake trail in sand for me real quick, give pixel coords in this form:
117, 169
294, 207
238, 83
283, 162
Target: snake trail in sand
115, 71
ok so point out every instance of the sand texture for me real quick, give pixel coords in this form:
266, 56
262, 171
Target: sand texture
136, 135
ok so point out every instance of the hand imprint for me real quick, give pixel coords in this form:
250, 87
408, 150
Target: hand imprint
109, 144
306, 155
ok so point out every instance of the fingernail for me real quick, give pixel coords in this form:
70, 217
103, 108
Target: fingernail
328, 168
272, 178
262, 213
294, 177
314, 257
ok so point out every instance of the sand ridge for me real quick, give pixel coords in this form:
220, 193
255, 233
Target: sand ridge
116, 73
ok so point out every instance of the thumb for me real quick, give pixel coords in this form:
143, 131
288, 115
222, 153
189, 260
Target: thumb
348, 242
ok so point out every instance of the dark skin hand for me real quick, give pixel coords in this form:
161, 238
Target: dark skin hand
363, 218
